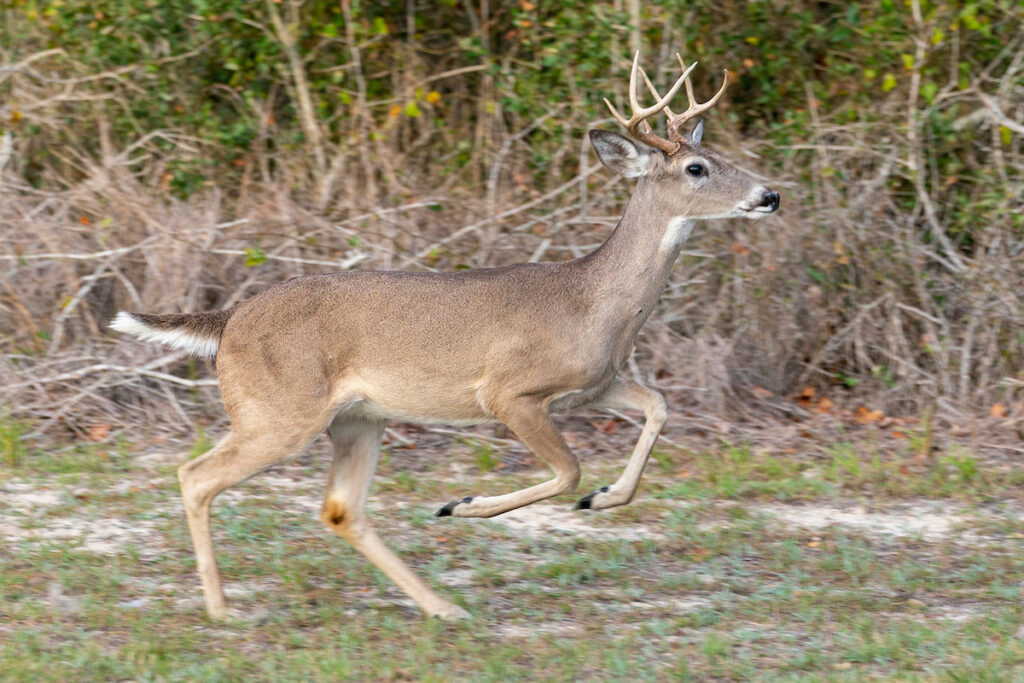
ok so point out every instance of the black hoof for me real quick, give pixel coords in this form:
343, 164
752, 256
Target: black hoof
446, 511
584, 502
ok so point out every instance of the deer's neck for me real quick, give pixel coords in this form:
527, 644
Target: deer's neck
631, 268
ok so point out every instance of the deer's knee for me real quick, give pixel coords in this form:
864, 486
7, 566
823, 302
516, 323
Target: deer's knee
193, 493
342, 519
657, 412
333, 513
570, 478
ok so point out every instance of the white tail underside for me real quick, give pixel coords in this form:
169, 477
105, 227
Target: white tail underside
189, 342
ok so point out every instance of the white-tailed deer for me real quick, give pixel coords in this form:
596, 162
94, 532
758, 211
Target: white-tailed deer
346, 352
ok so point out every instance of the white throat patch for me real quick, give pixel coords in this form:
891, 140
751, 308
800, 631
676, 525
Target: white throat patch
677, 232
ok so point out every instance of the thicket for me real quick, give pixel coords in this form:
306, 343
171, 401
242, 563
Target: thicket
180, 156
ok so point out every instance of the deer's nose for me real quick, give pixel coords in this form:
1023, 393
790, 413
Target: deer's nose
770, 200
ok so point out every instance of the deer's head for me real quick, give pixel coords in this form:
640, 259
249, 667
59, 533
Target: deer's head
691, 181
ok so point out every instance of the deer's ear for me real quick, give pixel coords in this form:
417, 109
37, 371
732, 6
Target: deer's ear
698, 132
620, 154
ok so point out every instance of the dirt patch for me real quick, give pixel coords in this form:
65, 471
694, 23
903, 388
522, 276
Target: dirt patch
104, 536
24, 520
543, 629
558, 521
24, 496
932, 521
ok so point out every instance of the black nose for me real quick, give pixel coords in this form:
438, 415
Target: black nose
771, 200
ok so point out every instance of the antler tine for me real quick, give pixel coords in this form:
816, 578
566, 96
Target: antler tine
654, 93
615, 112
695, 107
689, 85
636, 125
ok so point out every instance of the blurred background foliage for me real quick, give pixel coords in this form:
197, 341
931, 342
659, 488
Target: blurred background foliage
219, 71
893, 128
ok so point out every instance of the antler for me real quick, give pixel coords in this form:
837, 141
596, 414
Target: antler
637, 125
675, 121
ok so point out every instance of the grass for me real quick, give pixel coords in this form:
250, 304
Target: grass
11, 446
715, 589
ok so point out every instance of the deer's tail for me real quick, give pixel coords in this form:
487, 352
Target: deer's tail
196, 333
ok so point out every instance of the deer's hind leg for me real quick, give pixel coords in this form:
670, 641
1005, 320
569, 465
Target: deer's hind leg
356, 449
241, 454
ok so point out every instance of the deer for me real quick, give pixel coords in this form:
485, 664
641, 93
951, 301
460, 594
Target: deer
347, 352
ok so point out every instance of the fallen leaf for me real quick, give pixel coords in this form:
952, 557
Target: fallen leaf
738, 248
98, 432
825, 405
997, 410
865, 416
608, 426
760, 392
699, 554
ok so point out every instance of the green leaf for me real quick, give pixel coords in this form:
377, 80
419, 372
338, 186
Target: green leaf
435, 207
817, 275
380, 27
254, 256
928, 91
888, 82
413, 110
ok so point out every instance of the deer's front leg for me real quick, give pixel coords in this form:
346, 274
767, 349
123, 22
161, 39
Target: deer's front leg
628, 395
530, 421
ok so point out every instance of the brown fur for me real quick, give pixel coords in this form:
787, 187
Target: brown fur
210, 324
346, 352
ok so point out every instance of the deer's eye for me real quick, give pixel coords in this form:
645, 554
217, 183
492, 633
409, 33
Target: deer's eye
695, 170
